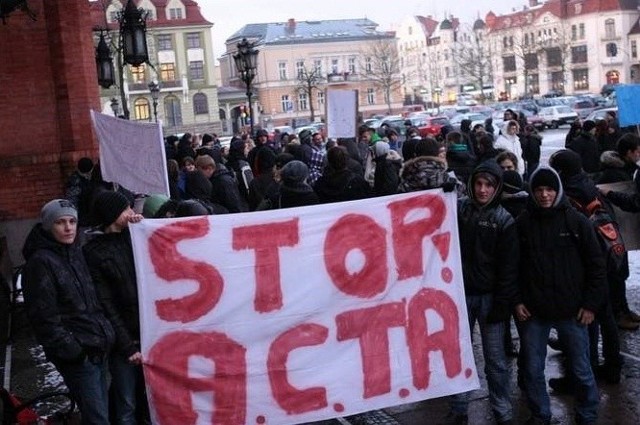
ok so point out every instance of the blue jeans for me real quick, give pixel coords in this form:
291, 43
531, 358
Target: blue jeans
575, 338
496, 366
87, 383
124, 385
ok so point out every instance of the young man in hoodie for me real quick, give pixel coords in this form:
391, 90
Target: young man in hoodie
62, 306
561, 285
487, 232
109, 255
509, 140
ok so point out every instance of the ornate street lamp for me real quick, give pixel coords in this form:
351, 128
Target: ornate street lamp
133, 30
154, 88
246, 60
104, 64
115, 106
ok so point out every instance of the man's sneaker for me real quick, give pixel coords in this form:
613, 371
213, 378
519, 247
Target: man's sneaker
625, 323
633, 316
562, 385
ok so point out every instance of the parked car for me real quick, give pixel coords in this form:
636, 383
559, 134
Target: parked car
395, 122
555, 116
475, 119
583, 107
372, 122
281, 129
534, 119
599, 114
430, 126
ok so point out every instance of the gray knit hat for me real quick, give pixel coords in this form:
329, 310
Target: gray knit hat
55, 209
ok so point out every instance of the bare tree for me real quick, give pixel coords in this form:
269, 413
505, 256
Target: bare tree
526, 49
382, 67
473, 57
309, 82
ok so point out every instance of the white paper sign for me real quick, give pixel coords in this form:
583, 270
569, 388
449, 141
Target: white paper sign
132, 154
303, 314
342, 110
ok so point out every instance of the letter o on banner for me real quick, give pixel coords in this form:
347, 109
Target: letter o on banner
357, 232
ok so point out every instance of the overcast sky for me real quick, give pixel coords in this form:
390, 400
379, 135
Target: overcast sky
229, 16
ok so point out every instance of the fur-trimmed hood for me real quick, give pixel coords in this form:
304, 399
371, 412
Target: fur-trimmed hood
611, 159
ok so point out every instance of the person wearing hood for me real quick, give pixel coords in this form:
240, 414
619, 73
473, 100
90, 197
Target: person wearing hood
224, 186
620, 165
585, 145
460, 159
387, 175
338, 182
428, 170
531, 143
64, 311
487, 232
109, 255
294, 191
199, 187
237, 162
508, 140
514, 195
562, 283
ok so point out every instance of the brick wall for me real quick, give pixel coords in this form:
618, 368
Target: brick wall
47, 87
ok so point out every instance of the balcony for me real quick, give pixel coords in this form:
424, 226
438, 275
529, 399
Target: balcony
144, 87
341, 77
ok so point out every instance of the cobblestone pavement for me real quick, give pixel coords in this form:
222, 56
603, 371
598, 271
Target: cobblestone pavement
620, 404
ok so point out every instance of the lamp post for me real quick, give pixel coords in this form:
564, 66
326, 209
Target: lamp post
246, 60
154, 88
114, 106
131, 48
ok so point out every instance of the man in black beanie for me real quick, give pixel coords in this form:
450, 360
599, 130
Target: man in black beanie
109, 255
562, 282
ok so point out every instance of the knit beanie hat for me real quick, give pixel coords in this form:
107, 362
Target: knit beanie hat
108, 206
191, 208
544, 177
294, 172
512, 182
55, 209
381, 149
85, 165
152, 204
566, 162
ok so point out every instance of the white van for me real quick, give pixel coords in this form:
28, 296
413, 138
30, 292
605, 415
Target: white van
555, 116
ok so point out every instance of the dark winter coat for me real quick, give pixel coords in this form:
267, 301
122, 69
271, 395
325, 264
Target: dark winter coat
61, 300
79, 191
489, 247
110, 260
562, 268
586, 146
531, 144
224, 190
615, 169
341, 185
258, 187
387, 175
427, 172
514, 203
461, 161
629, 202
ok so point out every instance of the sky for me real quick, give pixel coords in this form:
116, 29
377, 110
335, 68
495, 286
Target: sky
230, 16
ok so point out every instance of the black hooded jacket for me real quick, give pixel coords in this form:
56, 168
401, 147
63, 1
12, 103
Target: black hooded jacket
489, 246
110, 260
562, 267
341, 185
61, 300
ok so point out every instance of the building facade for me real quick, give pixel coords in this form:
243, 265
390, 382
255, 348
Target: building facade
181, 60
298, 61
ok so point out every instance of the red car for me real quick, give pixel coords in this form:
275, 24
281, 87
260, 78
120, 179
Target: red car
429, 126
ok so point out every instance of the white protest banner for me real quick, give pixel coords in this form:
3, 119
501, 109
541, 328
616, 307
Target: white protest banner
132, 154
303, 314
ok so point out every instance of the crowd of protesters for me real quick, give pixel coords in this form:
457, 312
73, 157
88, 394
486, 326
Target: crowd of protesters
528, 249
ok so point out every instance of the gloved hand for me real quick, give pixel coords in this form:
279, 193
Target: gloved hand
449, 186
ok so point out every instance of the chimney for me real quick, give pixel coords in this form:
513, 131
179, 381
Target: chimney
533, 3
291, 24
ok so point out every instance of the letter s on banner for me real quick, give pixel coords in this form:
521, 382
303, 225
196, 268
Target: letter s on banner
171, 266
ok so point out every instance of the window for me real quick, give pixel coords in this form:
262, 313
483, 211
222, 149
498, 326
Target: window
446, 55
612, 50
557, 81
610, 28
196, 70
320, 98
371, 96
141, 109
352, 65
200, 104
526, 39
510, 41
581, 31
317, 65
285, 103
137, 74
509, 64
531, 61
282, 70
175, 13
368, 65
113, 16
634, 49
172, 111
580, 79
167, 71
303, 104
579, 54
534, 84
574, 32
165, 42
447, 72
300, 69
193, 40
505, 42
334, 66
554, 57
